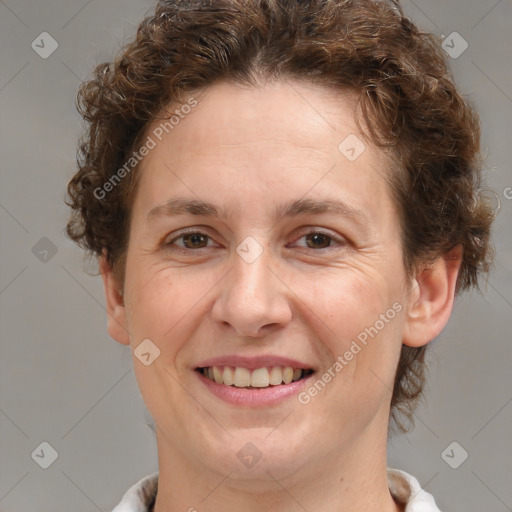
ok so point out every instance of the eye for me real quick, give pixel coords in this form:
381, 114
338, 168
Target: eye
320, 240
191, 240
195, 240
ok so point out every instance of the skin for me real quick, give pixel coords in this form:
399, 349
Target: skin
249, 149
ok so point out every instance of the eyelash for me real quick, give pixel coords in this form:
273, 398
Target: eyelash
169, 245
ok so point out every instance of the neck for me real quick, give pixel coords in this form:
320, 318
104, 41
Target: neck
352, 480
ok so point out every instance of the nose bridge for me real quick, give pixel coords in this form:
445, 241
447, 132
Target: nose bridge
250, 260
250, 281
251, 273
251, 298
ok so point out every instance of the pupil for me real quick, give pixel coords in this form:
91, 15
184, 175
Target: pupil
318, 238
194, 239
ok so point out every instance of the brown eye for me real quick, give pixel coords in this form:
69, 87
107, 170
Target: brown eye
189, 241
318, 240
194, 240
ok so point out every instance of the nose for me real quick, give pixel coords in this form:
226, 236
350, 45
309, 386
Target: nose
253, 301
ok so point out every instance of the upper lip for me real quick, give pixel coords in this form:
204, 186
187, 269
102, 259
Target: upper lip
253, 363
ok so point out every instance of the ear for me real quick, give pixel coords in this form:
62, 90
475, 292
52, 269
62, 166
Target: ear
431, 299
116, 310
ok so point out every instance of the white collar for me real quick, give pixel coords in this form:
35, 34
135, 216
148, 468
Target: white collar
407, 489
403, 487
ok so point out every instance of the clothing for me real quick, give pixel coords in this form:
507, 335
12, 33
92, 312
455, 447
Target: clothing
403, 487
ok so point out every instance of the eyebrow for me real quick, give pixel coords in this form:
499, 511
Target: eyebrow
184, 206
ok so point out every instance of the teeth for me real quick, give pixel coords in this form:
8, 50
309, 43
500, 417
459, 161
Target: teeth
227, 376
287, 375
217, 375
276, 376
242, 377
259, 378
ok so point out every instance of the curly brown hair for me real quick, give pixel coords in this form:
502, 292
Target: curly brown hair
408, 103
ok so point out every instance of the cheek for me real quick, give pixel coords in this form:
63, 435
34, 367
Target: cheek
164, 308
358, 319
346, 301
165, 305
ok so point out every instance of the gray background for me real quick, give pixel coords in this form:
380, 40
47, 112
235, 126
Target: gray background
65, 382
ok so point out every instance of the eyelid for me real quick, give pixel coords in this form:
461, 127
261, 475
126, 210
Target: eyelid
341, 240
304, 231
200, 230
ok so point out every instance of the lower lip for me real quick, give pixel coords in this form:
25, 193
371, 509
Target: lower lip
254, 397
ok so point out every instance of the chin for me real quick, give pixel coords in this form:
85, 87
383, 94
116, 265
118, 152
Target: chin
256, 454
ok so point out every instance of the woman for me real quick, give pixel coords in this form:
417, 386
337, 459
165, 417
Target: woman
284, 200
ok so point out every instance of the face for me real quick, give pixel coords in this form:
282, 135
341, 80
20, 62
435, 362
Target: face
296, 261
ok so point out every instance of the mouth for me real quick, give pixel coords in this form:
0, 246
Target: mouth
259, 378
261, 381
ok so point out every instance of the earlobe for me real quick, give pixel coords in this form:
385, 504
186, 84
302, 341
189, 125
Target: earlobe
431, 299
116, 310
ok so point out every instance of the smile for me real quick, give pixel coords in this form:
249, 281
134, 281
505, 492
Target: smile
265, 377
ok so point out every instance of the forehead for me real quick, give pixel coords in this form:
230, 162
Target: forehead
286, 138
282, 111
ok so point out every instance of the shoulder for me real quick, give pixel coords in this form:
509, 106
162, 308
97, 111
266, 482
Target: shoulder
407, 491
140, 496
